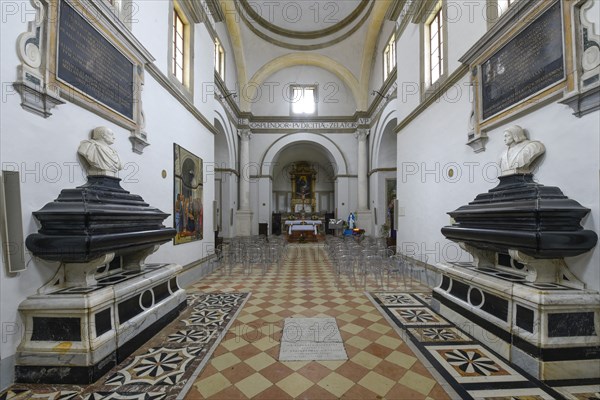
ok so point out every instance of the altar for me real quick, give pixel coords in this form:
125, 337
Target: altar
302, 230
302, 225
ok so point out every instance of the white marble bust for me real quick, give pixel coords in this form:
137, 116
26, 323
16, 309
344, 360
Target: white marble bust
101, 159
520, 152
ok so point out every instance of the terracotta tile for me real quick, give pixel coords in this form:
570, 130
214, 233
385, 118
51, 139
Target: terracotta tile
246, 352
238, 372
273, 393
378, 350
389, 370
401, 392
352, 371
316, 393
276, 372
314, 371
231, 393
357, 392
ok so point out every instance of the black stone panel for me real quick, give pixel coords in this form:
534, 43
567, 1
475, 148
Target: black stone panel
173, 285
475, 297
161, 292
445, 283
132, 345
129, 309
115, 264
459, 290
504, 260
505, 84
52, 329
495, 306
63, 374
524, 318
80, 46
88, 375
571, 324
476, 319
103, 322
544, 354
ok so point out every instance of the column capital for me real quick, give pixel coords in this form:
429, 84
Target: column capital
245, 134
361, 134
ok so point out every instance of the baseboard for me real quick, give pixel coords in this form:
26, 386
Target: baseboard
195, 271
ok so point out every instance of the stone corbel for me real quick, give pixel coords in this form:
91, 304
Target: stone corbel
139, 137
547, 270
475, 139
481, 258
76, 274
32, 81
137, 261
586, 96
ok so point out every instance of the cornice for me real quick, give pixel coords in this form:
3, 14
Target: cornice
395, 9
131, 42
214, 9
227, 171
377, 170
513, 16
300, 47
390, 90
304, 34
223, 96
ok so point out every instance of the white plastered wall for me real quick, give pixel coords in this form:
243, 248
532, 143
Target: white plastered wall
44, 151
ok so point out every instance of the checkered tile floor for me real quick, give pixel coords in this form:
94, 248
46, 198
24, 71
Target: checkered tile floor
245, 364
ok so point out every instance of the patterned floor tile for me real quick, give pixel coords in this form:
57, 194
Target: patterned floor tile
421, 316
439, 334
474, 364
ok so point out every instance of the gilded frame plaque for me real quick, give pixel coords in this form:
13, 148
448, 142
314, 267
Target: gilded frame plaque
98, 68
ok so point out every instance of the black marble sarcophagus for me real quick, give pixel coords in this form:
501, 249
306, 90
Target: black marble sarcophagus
94, 219
520, 214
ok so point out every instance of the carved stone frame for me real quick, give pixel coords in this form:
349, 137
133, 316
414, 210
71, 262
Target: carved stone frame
39, 85
585, 96
506, 29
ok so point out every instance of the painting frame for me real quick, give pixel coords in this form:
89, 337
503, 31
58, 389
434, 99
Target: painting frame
188, 191
390, 197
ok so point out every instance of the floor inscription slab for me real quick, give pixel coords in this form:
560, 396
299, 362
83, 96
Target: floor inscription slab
311, 339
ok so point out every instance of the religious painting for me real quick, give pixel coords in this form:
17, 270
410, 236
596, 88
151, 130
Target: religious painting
303, 187
188, 209
390, 198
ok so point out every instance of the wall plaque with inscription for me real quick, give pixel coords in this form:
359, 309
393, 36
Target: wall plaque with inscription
87, 61
530, 62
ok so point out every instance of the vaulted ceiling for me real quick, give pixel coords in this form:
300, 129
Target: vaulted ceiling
339, 36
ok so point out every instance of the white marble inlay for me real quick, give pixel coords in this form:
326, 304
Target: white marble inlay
311, 339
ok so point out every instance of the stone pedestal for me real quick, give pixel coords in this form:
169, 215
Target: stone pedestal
243, 223
75, 334
104, 301
548, 329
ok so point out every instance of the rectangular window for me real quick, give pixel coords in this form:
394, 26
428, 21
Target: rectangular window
389, 57
219, 59
304, 100
435, 45
178, 46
